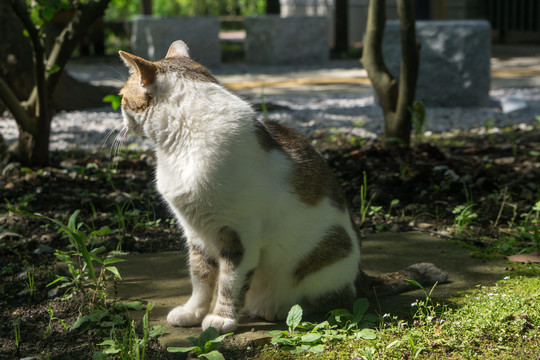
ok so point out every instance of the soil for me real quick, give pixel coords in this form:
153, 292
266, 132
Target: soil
498, 172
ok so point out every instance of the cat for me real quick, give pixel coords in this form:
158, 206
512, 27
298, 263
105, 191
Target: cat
266, 223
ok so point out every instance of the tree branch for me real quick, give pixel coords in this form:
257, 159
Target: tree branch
409, 57
372, 57
68, 39
17, 110
20, 8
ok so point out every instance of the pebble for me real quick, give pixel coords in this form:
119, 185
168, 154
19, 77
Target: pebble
43, 249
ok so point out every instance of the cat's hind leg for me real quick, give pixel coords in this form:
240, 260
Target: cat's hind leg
235, 273
204, 272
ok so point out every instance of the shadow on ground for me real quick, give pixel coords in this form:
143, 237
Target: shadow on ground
163, 280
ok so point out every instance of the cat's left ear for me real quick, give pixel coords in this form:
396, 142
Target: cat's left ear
146, 70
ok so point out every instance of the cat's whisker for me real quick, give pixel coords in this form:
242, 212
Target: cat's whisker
106, 138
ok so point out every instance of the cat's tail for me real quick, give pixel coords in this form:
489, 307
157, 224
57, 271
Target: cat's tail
426, 274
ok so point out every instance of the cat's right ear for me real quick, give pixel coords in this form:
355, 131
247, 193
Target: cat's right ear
178, 49
146, 70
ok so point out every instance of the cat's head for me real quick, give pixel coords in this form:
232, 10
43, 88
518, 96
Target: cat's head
162, 81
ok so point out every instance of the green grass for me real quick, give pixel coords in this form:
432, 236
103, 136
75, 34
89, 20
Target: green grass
491, 322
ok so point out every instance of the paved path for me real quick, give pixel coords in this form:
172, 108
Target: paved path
162, 279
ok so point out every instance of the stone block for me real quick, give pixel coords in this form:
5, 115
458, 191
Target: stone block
454, 61
152, 36
278, 40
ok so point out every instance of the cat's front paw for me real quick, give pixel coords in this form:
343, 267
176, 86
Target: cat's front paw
184, 316
221, 324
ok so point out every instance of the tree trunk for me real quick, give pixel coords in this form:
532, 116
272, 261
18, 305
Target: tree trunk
33, 149
395, 101
341, 38
273, 7
34, 115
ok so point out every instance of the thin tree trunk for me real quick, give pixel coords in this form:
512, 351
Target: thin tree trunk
34, 115
395, 101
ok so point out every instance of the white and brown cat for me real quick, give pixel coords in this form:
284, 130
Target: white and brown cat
266, 223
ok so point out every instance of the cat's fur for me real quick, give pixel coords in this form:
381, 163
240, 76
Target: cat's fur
266, 223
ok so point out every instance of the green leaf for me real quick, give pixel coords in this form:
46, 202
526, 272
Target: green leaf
281, 341
366, 334
360, 307
115, 100
157, 330
317, 349
58, 279
294, 317
134, 305
415, 283
54, 69
310, 338
213, 355
114, 271
103, 231
277, 332
113, 260
206, 336
108, 342
181, 349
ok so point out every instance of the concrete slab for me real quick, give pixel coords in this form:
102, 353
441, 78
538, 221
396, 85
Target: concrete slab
162, 279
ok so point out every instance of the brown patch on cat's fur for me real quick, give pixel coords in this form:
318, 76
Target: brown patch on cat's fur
186, 68
335, 245
311, 177
201, 265
231, 246
231, 298
230, 304
134, 96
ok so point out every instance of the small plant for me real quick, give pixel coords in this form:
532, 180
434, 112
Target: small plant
205, 346
367, 353
17, 333
51, 319
365, 204
30, 280
80, 261
125, 343
464, 217
341, 324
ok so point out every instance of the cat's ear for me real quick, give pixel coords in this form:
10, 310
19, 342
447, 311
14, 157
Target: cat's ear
178, 49
146, 70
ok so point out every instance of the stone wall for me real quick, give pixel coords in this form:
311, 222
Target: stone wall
152, 36
286, 40
454, 61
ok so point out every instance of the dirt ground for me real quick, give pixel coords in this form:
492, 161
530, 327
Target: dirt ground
497, 172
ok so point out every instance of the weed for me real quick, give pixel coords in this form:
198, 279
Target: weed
80, 261
205, 346
22, 203
17, 333
124, 343
364, 202
464, 217
30, 280
51, 319
340, 325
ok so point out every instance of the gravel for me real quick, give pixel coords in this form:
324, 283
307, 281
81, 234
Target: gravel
356, 115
